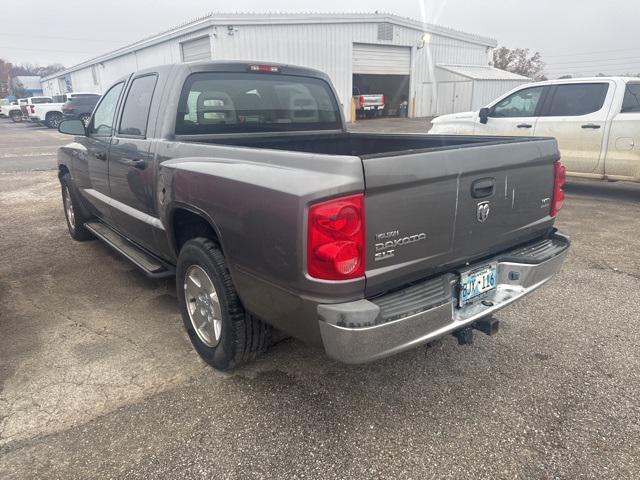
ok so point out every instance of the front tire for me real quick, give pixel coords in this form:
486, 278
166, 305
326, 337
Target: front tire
53, 120
73, 211
16, 117
220, 330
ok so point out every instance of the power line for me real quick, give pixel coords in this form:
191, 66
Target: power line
592, 53
596, 67
12, 35
594, 60
55, 50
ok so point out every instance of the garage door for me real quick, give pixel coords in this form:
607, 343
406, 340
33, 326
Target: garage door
198, 49
381, 59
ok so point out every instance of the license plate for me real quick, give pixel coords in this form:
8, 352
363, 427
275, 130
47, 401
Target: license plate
475, 283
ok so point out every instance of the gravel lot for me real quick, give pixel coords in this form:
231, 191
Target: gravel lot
98, 379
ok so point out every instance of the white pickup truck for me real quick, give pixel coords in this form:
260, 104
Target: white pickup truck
596, 122
18, 109
51, 114
368, 104
9, 106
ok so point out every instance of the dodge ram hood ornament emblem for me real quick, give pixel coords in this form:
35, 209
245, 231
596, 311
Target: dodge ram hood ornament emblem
483, 211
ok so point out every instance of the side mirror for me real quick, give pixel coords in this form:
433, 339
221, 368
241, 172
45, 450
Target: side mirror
72, 127
484, 115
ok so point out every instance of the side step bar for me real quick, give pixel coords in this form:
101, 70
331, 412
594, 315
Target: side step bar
150, 265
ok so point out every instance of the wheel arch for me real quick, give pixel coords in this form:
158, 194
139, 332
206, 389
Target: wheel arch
186, 222
63, 170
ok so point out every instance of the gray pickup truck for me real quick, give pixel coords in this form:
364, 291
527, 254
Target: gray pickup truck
241, 180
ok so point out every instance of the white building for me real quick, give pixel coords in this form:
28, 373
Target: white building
437, 70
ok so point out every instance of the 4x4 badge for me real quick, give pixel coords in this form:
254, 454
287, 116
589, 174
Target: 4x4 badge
483, 211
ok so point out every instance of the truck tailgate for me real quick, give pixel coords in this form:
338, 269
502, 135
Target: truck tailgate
434, 210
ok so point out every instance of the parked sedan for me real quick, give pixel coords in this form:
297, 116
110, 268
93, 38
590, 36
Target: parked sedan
596, 122
80, 108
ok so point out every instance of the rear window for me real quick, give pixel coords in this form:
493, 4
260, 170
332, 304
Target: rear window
214, 103
60, 98
92, 100
631, 102
577, 99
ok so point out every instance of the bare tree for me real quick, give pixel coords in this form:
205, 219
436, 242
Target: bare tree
518, 60
5, 73
37, 70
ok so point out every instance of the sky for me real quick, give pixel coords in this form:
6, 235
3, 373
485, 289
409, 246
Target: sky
577, 37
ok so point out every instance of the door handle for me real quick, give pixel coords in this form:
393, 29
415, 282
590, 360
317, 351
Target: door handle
525, 125
483, 187
101, 155
138, 163
591, 125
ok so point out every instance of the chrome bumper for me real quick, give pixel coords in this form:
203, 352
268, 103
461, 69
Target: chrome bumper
379, 338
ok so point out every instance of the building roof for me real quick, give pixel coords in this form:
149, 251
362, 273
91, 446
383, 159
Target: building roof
280, 19
482, 72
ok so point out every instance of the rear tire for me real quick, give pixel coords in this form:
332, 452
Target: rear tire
220, 329
53, 120
16, 117
73, 211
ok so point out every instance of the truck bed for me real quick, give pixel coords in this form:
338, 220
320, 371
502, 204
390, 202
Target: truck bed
364, 145
424, 191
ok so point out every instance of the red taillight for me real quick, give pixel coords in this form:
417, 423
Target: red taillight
33, 108
67, 108
558, 182
335, 241
264, 68
361, 101
382, 100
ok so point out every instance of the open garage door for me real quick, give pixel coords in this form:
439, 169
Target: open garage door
381, 59
382, 70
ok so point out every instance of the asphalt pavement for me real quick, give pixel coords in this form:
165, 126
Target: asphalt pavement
28, 146
98, 379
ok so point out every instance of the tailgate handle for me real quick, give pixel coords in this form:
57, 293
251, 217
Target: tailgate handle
483, 187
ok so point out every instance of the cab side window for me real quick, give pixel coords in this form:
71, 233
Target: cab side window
631, 102
102, 123
519, 104
577, 99
135, 113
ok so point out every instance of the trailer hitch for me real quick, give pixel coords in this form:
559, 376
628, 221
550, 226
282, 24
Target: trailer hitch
488, 326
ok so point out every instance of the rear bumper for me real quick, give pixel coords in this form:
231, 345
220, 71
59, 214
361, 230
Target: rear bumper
367, 330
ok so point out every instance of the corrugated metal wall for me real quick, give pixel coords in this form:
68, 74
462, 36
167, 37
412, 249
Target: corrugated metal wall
324, 46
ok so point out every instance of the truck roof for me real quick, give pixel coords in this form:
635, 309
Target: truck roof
236, 66
583, 80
